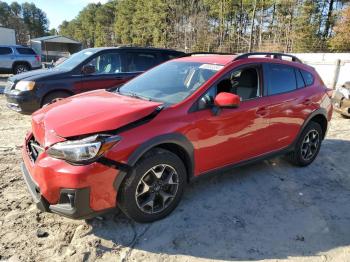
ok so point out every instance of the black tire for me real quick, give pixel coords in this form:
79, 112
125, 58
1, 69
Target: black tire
128, 199
20, 68
298, 156
53, 97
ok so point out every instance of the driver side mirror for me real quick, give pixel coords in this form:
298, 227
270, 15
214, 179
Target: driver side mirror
88, 69
227, 100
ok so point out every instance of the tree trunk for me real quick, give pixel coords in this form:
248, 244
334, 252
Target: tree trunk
252, 29
261, 24
328, 21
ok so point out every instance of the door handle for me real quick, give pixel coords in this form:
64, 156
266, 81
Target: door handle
307, 102
262, 111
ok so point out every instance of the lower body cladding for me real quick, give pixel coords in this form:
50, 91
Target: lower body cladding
341, 104
77, 192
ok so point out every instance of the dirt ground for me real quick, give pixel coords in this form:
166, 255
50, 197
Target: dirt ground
270, 210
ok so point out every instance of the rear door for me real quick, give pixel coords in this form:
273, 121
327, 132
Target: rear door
6, 57
109, 72
289, 103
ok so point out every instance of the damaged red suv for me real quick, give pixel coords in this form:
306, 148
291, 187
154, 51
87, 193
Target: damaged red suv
138, 146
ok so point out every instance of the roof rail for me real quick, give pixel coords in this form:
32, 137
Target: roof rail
268, 54
207, 53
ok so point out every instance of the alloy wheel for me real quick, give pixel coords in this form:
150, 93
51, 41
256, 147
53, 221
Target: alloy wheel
21, 69
310, 145
157, 189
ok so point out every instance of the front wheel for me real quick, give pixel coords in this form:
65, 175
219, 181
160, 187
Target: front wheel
308, 145
154, 188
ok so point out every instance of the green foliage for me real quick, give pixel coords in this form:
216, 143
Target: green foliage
208, 25
341, 39
27, 20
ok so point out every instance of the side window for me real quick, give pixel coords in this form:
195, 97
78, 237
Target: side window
108, 63
5, 51
243, 82
300, 80
138, 62
281, 79
25, 51
308, 77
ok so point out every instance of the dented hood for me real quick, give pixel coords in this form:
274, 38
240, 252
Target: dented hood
87, 113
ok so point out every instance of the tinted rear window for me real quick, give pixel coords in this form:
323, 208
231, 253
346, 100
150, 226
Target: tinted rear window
25, 51
281, 79
5, 50
141, 61
308, 77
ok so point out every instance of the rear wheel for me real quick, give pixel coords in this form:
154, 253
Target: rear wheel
20, 68
308, 145
54, 97
154, 188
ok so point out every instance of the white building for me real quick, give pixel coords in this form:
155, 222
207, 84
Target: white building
7, 36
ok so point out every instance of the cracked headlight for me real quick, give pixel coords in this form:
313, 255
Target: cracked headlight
83, 150
25, 85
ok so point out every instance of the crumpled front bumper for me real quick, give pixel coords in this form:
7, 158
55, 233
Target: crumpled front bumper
77, 192
74, 203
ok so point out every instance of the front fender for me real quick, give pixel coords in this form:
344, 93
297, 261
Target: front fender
176, 139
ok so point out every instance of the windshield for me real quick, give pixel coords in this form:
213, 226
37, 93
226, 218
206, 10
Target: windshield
75, 59
170, 82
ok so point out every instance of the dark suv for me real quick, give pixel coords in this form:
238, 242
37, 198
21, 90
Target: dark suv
89, 69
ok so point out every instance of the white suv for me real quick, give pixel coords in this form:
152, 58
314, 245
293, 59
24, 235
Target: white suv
17, 59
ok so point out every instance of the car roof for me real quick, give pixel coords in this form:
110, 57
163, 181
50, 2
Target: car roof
96, 49
208, 58
225, 59
15, 46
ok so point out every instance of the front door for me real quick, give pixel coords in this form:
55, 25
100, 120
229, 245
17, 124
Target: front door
108, 73
234, 134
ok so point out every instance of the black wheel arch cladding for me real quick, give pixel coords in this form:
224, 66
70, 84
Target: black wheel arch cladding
319, 116
171, 142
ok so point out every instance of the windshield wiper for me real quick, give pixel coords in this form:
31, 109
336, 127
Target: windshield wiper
134, 95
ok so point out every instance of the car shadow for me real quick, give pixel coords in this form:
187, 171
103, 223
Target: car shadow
269, 210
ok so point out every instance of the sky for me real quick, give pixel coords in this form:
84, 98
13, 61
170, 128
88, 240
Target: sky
59, 10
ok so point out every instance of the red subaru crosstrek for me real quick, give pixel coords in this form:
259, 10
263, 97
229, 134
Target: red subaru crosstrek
138, 146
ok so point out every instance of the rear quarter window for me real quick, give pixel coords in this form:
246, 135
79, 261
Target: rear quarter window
299, 77
308, 78
5, 51
280, 79
25, 51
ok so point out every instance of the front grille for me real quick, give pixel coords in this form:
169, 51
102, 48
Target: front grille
34, 149
9, 86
